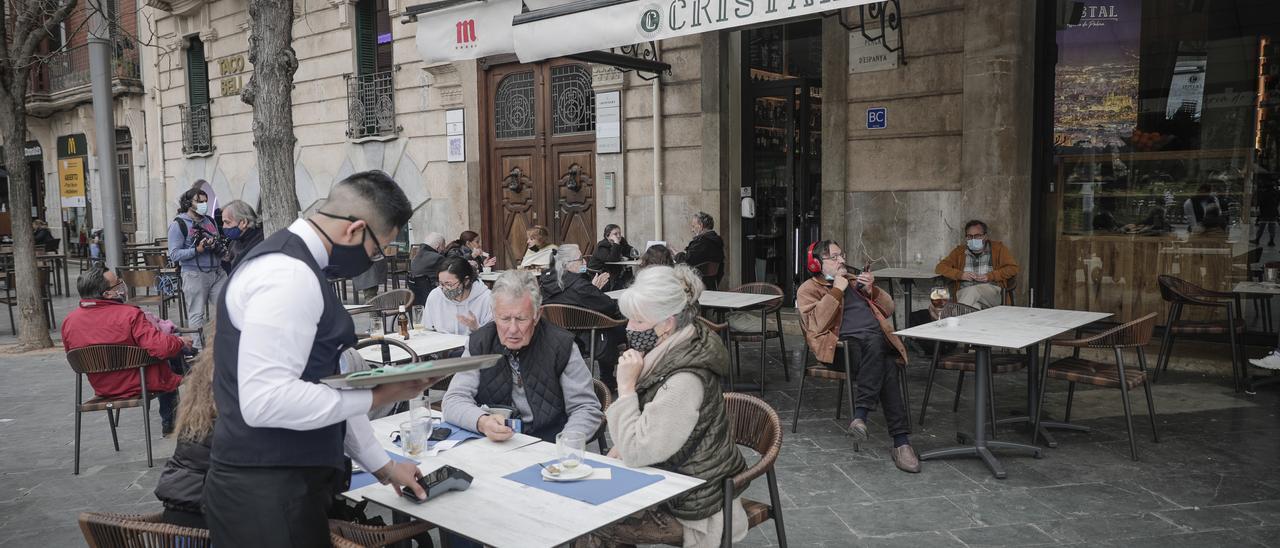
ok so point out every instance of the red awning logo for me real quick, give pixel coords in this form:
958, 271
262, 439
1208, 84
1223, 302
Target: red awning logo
466, 31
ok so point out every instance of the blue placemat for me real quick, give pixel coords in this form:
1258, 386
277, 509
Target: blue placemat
362, 478
589, 491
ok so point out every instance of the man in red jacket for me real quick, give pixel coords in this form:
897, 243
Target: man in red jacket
104, 318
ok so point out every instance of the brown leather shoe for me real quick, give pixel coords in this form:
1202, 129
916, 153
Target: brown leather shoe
905, 459
858, 429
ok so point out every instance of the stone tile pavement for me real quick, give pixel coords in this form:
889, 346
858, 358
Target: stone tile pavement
1211, 481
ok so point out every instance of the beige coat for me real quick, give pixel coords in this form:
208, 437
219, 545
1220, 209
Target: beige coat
822, 311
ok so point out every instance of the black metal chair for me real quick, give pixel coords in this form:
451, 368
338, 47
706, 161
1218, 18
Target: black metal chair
577, 320
1135, 334
104, 358
749, 333
848, 379
1180, 294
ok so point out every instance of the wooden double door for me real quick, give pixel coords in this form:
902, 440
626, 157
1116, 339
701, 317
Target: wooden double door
540, 128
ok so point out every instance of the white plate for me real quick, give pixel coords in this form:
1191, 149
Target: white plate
583, 471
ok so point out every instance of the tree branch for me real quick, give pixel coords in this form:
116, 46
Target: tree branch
56, 18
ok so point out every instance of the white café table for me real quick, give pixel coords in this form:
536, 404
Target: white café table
631, 263
1270, 290
421, 341
1012, 327
728, 301
500, 512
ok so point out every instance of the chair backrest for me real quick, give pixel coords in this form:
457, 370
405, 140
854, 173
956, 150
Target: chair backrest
52, 245
602, 394
761, 288
755, 424
392, 300
138, 277
576, 318
955, 309
713, 326
1134, 334
102, 358
1177, 290
154, 259
103, 530
385, 342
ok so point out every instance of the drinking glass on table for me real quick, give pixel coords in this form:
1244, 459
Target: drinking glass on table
571, 447
414, 435
418, 311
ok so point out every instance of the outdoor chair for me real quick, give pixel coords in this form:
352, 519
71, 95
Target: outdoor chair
1179, 294
104, 358
107, 530
606, 399
848, 379
754, 424
147, 278
10, 298
577, 320
1135, 334
745, 329
397, 267
965, 361
52, 245
389, 303
711, 274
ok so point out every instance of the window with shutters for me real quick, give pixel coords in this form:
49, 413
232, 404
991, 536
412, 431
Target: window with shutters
370, 101
124, 177
197, 134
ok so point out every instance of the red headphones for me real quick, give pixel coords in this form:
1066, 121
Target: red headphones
813, 264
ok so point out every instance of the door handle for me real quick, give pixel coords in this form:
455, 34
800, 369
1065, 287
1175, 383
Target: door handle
557, 214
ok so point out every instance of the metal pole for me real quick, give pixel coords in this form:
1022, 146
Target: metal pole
100, 75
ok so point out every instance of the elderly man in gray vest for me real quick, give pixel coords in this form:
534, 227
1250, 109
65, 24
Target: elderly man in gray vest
542, 376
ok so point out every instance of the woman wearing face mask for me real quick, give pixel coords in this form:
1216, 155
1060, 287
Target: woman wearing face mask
613, 248
670, 413
460, 304
567, 283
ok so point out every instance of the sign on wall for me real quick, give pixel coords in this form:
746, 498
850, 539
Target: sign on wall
868, 55
72, 145
609, 122
469, 31
877, 118
230, 69
71, 181
454, 132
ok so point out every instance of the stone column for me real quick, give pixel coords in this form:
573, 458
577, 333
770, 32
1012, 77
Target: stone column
835, 127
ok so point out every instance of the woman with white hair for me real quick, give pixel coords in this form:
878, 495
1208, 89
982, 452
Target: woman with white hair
670, 412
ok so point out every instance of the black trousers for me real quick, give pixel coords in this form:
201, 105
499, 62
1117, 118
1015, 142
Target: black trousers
268, 507
877, 379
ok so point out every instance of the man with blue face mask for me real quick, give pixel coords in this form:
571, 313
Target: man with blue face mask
243, 229
191, 246
569, 282
979, 268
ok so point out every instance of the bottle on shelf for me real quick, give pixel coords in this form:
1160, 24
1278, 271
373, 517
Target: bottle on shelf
402, 321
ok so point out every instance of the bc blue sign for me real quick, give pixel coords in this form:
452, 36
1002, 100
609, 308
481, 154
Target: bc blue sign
877, 118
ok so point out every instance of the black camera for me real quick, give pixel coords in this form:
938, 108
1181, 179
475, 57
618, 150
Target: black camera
215, 242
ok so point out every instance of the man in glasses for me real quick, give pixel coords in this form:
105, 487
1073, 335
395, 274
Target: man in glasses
281, 435
979, 268
542, 377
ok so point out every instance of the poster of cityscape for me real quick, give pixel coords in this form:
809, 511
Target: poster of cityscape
1096, 85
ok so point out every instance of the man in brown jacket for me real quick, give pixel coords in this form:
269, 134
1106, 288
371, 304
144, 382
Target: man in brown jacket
979, 269
835, 306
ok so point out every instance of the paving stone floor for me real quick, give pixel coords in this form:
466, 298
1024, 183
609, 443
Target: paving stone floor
1211, 481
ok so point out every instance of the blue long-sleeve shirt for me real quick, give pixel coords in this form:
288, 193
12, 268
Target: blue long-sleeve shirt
182, 250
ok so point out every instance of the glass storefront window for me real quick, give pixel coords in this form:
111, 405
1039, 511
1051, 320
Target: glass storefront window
1167, 149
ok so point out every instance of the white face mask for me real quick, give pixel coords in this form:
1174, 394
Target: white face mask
202, 207
976, 245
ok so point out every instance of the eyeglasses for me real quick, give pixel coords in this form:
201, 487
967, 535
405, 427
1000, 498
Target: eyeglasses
452, 285
975, 236
836, 257
378, 255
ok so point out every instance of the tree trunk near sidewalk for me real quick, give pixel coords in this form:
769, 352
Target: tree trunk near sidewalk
270, 93
32, 323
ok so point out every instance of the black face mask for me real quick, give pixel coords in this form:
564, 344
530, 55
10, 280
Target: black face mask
642, 341
346, 261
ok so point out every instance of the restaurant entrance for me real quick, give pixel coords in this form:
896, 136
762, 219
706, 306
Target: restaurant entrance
782, 141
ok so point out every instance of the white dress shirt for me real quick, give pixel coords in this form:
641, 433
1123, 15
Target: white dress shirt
276, 302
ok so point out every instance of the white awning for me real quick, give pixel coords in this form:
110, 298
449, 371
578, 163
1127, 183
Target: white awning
467, 31
591, 25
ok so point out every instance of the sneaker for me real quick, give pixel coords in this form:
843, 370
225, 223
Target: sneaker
1271, 361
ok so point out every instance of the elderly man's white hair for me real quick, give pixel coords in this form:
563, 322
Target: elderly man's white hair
518, 284
435, 240
566, 254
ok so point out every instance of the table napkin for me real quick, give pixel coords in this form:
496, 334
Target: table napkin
622, 481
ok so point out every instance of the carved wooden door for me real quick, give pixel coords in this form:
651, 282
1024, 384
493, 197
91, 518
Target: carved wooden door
541, 155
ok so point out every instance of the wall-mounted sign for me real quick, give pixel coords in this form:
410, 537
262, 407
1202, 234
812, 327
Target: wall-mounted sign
867, 55
71, 181
608, 122
877, 118
230, 69
72, 145
455, 135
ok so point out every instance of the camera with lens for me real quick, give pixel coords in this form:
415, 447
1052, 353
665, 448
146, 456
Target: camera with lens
215, 242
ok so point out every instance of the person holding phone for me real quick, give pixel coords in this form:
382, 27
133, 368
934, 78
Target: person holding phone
838, 305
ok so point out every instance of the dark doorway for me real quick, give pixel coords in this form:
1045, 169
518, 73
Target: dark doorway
782, 151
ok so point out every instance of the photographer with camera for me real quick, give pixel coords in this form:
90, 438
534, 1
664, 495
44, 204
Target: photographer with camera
196, 246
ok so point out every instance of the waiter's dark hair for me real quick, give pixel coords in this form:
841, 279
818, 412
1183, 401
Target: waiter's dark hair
379, 193
92, 283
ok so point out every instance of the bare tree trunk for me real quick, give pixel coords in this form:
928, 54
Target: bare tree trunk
33, 324
270, 92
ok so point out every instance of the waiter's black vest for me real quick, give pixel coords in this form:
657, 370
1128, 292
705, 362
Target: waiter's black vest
541, 364
238, 444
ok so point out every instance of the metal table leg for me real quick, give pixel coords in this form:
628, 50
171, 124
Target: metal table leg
981, 445
908, 284
1039, 364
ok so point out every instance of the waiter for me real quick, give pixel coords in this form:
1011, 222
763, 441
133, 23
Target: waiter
279, 441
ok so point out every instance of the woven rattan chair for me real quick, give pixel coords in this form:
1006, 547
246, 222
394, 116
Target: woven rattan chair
385, 344
389, 303
711, 274
372, 536
1179, 294
966, 362
1135, 334
148, 278
765, 331
577, 320
606, 399
105, 530
103, 358
822, 371
754, 424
